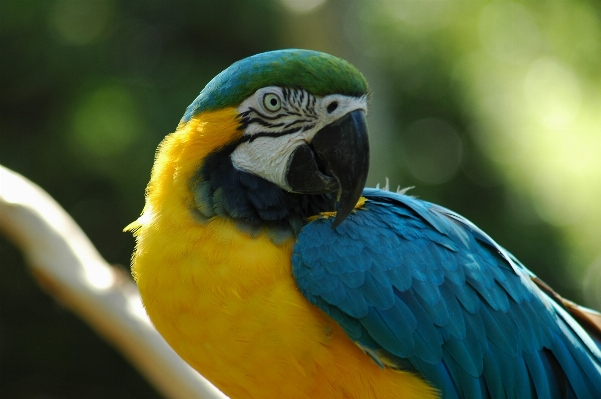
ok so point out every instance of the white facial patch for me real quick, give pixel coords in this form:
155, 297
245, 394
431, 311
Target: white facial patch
278, 120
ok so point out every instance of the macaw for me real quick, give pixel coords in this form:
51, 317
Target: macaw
267, 266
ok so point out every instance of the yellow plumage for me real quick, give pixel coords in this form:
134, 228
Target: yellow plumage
227, 302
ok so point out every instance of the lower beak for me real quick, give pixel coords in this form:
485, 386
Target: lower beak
337, 159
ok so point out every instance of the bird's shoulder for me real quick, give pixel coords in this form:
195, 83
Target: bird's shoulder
418, 287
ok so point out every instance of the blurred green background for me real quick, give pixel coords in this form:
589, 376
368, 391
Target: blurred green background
491, 109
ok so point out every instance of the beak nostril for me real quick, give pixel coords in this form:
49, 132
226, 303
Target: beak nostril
332, 107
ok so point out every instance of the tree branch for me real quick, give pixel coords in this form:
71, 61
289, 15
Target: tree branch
67, 265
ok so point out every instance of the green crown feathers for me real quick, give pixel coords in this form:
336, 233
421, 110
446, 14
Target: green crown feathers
319, 73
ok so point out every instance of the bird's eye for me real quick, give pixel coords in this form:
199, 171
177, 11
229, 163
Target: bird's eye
272, 102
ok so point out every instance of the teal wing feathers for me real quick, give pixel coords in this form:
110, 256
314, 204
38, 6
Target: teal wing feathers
420, 288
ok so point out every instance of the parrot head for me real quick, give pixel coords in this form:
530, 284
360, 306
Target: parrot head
302, 146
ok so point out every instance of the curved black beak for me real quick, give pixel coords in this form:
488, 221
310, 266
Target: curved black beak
337, 159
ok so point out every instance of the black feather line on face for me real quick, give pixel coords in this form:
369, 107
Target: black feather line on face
292, 98
294, 122
255, 136
263, 116
262, 122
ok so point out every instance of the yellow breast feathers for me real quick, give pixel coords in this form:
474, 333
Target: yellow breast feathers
226, 301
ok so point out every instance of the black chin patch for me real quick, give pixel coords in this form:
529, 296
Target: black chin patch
221, 190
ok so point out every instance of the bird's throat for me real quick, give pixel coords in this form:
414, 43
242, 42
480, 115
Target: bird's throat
255, 204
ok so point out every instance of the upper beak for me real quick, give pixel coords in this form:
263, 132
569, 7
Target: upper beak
337, 159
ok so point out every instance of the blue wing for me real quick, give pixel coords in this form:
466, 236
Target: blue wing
420, 288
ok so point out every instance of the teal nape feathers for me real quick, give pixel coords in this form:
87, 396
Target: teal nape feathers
267, 265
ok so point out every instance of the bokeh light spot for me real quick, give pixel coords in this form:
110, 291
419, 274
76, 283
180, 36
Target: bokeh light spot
432, 150
81, 22
591, 284
508, 32
552, 92
302, 6
106, 122
553, 200
426, 15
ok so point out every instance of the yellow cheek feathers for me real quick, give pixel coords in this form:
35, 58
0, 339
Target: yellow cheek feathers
180, 154
179, 157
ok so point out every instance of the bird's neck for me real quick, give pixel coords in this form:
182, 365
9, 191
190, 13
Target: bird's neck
255, 204
193, 169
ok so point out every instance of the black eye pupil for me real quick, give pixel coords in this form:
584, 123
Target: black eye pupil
273, 101
332, 107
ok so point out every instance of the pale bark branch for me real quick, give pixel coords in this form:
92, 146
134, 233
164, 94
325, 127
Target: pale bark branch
68, 266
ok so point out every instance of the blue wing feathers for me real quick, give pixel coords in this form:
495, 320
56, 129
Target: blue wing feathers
578, 330
422, 289
492, 377
441, 376
437, 311
493, 296
456, 276
386, 332
425, 325
399, 280
428, 291
500, 330
459, 352
523, 385
567, 362
456, 325
464, 383
335, 293
466, 295
538, 373
380, 296
355, 305
476, 342
354, 279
